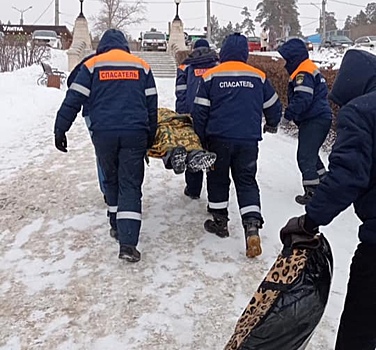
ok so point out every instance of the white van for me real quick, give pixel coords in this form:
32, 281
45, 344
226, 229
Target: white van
153, 41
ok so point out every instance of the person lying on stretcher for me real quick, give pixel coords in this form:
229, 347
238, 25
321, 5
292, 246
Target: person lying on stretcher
178, 145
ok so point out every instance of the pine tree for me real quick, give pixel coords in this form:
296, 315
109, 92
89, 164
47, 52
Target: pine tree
215, 31
360, 19
226, 30
348, 23
280, 14
331, 21
247, 26
371, 12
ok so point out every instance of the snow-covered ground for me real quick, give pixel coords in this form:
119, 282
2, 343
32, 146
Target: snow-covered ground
61, 284
325, 58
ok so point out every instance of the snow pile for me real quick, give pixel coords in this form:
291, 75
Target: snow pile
324, 58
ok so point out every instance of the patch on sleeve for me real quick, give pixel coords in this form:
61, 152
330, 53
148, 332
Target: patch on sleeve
200, 71
299, 78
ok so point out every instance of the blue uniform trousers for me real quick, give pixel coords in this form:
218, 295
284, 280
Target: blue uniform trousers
241, 159
121, 157
99, 169
194, 182
312, 134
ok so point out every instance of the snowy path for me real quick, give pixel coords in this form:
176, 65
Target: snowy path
62, 286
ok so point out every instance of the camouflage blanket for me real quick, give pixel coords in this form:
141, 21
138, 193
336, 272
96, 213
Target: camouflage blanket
173, 130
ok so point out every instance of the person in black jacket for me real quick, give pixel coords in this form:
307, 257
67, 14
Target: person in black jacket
188, 77
351, 180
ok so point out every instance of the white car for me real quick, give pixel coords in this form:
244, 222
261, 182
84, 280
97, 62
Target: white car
367, 41
47, 37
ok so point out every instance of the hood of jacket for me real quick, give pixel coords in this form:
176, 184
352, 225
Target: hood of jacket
112, 39
76, 69
234, 48
294, 52
201, 55
356, 77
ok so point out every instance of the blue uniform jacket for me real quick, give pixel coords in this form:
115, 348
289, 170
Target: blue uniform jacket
188, 77
233, 96
72, 76
352, 169
119, 89
307, 89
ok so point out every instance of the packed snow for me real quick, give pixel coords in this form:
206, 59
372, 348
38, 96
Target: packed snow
61, 282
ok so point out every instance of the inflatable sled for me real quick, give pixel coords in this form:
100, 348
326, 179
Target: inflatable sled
289, 303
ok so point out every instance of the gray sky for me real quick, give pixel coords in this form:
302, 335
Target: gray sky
159, 12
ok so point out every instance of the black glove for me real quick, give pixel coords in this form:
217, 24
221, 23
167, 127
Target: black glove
300, 232
270, 129
61, 142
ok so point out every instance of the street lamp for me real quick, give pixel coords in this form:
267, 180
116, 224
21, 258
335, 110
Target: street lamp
320, 20
177, 2
81, 9
22, 12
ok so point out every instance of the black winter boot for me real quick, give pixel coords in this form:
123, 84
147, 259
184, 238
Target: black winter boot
113, 225
200, 160
114, 234
129, 253
178, 158
307, 196
188, 194
218, 225
252, 238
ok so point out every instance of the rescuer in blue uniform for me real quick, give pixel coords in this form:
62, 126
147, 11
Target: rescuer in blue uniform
309, 108
188, 77
229, 105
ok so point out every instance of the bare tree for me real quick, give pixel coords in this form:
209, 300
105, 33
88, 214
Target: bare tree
17, 52
118, 14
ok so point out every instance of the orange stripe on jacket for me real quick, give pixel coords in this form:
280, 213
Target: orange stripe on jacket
233, 66
116, 55
306, 66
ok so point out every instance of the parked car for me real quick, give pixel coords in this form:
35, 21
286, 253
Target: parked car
367, 41
337, 41
46, 37
254, 43
153, 41
281, 41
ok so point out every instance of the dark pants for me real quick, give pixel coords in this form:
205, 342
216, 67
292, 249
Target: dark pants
194, 182
242, 160
122, 161
312, 134
99, 169
357, 329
